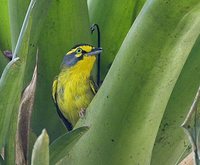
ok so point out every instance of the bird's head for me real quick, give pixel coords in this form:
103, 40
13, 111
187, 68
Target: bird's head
78, 53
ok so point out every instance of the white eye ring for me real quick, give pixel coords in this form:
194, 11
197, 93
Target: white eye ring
79, 50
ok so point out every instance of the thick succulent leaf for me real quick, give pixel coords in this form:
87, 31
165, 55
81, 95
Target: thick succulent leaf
3, 62
191, 127
32, 140
1, 160
17, 12
67, 24
22, 50
35, 16
171, 141
62, 145
25, 111
125, 115
114, 22
40, 154
8, 96
5, 39
189, 160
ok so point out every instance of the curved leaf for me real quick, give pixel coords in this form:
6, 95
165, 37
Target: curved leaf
5, 39
40, 154
3, 62
125, 115
17, 12
22, 50
62, 145
67, 24
7, 88
191, 127
1, 160
23, 128
171, 140
114, 22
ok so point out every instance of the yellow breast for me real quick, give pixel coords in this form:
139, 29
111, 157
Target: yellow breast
73, 89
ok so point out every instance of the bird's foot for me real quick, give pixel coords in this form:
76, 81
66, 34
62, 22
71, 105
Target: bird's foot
82, 112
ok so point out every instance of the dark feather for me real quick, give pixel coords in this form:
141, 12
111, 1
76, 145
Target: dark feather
67, 124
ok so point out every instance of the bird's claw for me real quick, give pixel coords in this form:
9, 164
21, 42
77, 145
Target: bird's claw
82, 112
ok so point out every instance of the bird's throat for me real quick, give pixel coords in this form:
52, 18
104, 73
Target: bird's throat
83, 67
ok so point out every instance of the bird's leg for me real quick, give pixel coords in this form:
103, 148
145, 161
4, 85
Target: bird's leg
82, 112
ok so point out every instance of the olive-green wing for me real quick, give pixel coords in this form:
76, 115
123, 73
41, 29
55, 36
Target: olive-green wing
67, 124
54, 89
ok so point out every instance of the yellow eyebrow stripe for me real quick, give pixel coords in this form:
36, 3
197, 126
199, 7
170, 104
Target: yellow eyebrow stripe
86, 48
71, 51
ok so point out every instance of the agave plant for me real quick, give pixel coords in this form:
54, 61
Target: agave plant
150, 70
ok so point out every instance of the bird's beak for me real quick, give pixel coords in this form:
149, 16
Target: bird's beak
95, 51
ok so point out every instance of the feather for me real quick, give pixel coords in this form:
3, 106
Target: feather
67, 124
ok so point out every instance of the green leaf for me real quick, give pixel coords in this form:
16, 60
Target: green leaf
27, 35
5, 39
62, 145
1, 160
114, 23
34, 16
189, 160
25, 112
17, 12
21, 51
32, 140
10, 146
8, 96
67, 24
171, 142
40, 154
191, 127
125, 115
3, 62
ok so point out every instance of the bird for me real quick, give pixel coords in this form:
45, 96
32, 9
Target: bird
74, 88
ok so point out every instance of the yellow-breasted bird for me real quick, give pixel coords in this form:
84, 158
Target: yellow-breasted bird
73, 89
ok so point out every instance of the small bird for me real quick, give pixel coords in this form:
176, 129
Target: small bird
73, 89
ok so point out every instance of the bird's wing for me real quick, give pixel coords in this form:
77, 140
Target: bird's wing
67, 124
93, 86
54, 89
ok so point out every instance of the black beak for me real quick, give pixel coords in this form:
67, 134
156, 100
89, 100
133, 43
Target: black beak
95, 51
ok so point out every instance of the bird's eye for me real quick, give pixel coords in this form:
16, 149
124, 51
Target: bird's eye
79, 50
